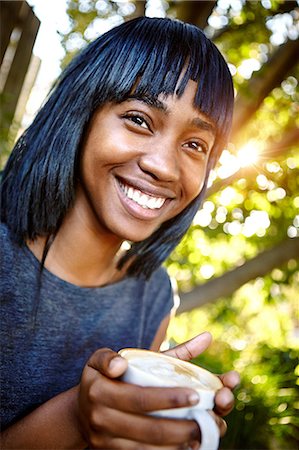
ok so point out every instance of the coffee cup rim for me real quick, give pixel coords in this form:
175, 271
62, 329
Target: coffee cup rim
215, 382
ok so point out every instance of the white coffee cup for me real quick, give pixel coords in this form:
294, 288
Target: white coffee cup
146, 368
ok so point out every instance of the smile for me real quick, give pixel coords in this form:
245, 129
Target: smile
144, 200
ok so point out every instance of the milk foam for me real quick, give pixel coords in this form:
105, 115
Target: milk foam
175, 374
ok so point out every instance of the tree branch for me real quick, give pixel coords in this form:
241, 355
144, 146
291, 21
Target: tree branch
263, 82
232, 280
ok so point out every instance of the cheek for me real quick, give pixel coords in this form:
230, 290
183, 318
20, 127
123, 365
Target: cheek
95, 155
194, 181
110, 148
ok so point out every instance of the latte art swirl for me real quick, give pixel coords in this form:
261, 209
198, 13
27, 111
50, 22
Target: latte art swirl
176, 375
156, 369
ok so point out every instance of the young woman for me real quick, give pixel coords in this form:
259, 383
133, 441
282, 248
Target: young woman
121, 152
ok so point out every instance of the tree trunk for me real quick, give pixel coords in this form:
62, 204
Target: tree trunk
228, 283
139, 9
195, 12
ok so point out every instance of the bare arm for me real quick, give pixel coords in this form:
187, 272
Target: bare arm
53, 425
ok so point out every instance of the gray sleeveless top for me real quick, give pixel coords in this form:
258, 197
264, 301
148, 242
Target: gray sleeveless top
40, 360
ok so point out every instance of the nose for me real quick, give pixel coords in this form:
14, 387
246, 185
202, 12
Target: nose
161, 162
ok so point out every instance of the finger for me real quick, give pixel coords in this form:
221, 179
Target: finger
125, 444
117, 443
230, 379
108, 363
220, 422
139, 399
191, 349
224, 401
145, 428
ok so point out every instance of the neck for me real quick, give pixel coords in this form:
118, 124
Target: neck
81, 253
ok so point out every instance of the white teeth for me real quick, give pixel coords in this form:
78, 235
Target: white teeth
146, 201
153, 203
135, 195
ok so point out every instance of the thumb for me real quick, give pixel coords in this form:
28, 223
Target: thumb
192, 348
108, 363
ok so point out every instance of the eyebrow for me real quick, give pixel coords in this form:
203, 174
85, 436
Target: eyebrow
197, 122
150, 101
203, 125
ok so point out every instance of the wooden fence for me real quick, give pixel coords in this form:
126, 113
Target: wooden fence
19, 28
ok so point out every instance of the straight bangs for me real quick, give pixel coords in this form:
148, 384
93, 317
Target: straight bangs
160, 56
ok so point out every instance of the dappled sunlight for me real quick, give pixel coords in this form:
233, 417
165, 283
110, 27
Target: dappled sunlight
293, 230
250, 214
247, 67
256, 223
202, 218
231, 162
230, 195
207, 271
228, 164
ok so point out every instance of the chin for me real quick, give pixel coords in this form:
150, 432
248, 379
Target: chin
135, 234
135, 238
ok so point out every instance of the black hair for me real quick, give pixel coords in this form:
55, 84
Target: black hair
147, 55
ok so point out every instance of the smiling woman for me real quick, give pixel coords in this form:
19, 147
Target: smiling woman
120, 152
150, 168
111, 69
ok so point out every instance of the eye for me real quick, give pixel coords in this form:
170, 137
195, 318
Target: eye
197, 146
138, 120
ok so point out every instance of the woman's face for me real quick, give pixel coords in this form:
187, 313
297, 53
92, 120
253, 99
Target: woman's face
143, 162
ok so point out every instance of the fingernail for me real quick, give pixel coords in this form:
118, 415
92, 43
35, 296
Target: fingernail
194, 445
115, 362
193, 398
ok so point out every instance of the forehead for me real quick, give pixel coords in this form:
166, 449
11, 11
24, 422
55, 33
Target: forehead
169, 103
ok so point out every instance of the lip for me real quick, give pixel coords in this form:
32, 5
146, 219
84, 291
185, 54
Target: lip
136, 210
148, 188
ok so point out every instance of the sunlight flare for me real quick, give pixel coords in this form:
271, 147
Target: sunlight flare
249, 153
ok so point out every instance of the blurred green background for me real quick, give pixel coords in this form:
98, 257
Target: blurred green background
237, 268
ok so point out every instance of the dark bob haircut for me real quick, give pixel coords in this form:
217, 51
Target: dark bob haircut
147, 56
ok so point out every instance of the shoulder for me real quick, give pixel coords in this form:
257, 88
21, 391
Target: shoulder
8, 262
161, 276
9, 243
158, 280
158, 289
158, 302
12, 254
6, 241
4, 232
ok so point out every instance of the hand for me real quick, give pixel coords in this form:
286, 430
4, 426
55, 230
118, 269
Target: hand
114, 415
224, 399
